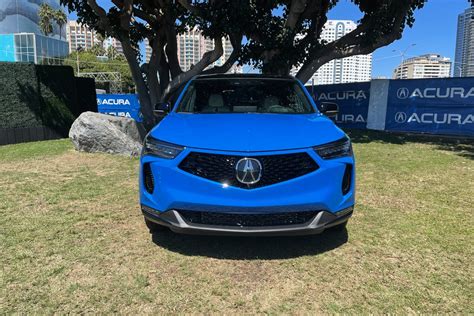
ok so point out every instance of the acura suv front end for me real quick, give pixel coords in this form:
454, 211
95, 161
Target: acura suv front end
246, 155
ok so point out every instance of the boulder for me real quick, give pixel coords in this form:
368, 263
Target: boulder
95, 132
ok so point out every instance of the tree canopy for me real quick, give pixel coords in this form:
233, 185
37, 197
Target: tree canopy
271, 35
46, 17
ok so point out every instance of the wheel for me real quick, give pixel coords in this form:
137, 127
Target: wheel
154, 227
339, 227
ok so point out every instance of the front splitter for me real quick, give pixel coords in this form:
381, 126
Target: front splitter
322, 221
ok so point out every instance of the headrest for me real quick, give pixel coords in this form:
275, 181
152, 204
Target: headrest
271, 100
216, 101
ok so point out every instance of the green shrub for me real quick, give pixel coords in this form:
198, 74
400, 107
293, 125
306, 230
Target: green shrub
19, 96
37, 95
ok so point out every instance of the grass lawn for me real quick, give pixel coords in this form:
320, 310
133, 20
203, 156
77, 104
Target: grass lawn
72, 239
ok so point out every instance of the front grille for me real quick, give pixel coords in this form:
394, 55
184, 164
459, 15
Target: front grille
275, 168
247, 220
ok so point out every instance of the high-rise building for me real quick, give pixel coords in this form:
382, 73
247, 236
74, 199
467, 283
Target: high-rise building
21, 39
424, 66
464, 55
148, 50
192, 45
350, 69
115, 43
79, 35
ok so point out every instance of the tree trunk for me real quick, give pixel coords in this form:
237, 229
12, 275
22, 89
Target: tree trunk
154, 86
142, 90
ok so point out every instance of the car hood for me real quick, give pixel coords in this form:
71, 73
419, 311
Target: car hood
247, 132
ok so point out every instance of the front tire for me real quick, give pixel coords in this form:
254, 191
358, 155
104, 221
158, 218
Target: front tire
154, 227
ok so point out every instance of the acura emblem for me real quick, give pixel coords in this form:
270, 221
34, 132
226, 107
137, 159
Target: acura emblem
248, 170
402, 93
400, 117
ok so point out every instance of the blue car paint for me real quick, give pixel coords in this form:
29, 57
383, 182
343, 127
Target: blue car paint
247, 135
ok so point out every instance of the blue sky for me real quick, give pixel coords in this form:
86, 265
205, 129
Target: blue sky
434, 32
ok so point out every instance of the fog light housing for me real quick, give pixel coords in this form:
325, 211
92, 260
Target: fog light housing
347, 179
148, 180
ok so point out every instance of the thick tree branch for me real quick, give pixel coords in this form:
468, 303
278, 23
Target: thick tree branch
236, 41
145, 103
103, 21
357, 42
207, 59
188, 6
152, 71
297, 7
172, 51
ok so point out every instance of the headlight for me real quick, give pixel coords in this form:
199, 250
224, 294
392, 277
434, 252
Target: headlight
337, 149
160, 149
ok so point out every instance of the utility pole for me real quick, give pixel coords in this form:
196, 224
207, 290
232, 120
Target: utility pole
78, 49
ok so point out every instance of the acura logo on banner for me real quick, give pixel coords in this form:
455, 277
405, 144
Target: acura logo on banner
400, 117
403, 93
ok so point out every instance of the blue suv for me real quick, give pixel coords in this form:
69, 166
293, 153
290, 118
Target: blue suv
247, 155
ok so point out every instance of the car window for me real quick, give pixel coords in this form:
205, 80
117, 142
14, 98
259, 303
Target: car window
245, 95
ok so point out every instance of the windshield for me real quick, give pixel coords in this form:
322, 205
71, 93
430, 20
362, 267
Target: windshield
245, 95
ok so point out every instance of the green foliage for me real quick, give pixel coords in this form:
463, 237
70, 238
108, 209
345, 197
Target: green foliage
37, 95
47, 16
19, 96
88, 62
60, 18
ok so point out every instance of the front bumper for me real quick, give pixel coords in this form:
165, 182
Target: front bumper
177, 223
175, 189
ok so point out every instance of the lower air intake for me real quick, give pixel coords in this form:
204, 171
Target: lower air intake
248, 220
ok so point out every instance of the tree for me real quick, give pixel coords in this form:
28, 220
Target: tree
46, 14
88, 62
60, 18
46, 17
280, 35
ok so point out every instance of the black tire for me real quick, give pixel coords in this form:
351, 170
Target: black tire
154, 227
339, 227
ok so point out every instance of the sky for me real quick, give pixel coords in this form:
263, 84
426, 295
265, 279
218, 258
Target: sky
434, 31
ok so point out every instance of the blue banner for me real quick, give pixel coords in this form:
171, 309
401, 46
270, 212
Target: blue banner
125, 105
352, 98
435, 106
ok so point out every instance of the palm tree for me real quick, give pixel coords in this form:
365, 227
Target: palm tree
46, 14
60, 18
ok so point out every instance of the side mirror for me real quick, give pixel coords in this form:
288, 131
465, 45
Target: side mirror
329, 109
162, 108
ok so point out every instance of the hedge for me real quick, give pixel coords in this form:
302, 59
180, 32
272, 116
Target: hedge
34, 96
19, 96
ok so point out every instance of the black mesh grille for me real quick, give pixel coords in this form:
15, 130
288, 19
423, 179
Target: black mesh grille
275, 168
148, 180
247, 220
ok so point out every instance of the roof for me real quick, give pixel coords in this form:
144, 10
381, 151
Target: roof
232, 75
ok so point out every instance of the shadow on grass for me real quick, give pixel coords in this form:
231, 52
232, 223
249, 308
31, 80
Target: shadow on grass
463, 147
248, 248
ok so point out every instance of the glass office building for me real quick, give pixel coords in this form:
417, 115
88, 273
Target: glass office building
21, 39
